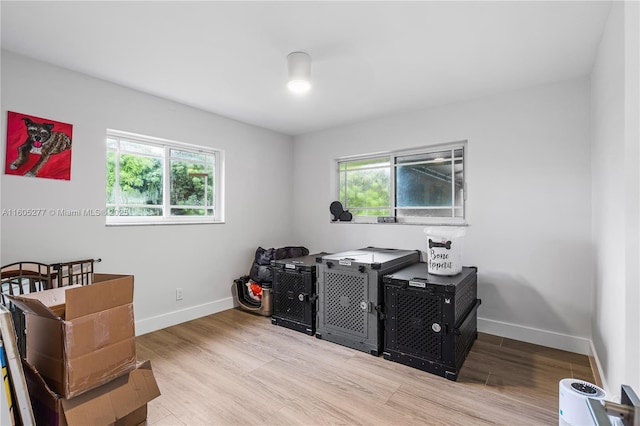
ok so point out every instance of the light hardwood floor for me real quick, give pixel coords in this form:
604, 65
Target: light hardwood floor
236, 368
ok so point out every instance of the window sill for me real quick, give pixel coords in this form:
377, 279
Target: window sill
162, 223
465, 224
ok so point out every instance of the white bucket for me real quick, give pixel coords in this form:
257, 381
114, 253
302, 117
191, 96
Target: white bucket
444, 249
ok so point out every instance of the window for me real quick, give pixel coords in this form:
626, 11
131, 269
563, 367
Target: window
419, 186
151, 180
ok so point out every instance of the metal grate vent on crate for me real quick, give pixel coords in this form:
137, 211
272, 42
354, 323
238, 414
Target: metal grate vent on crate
344, 293
287, 304
416, 315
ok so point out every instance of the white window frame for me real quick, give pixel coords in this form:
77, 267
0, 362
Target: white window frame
167, 218
392, 155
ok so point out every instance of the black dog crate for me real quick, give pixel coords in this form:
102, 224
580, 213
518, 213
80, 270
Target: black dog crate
294, 293
431, 320
350, 295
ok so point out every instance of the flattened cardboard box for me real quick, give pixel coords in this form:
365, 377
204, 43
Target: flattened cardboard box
80, 337
120, 402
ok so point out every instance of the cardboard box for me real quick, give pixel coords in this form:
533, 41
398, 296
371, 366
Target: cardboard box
80, 337
120, 402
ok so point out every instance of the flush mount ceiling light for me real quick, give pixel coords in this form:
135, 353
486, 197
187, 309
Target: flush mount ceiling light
299, 66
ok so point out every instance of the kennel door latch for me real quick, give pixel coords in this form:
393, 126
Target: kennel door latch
365, 306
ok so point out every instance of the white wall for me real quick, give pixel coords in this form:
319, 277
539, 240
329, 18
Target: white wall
529, 203
202, 259
614, 87
632, 166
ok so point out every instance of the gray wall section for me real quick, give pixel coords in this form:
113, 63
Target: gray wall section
529, 203
201, 259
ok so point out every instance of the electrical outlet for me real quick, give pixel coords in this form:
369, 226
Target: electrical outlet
178, 293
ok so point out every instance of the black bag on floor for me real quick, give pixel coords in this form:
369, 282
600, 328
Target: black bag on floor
261, 271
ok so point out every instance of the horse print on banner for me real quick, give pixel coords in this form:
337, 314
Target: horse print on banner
38, 147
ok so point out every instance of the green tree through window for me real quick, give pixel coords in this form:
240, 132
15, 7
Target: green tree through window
419, 186
136, 174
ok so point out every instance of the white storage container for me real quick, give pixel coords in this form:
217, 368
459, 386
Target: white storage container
444, 249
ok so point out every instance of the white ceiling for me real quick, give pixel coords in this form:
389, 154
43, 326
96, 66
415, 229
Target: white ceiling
369, 59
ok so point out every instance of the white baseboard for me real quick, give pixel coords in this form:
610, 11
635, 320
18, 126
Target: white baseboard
536, 336
611, 396
147, 325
